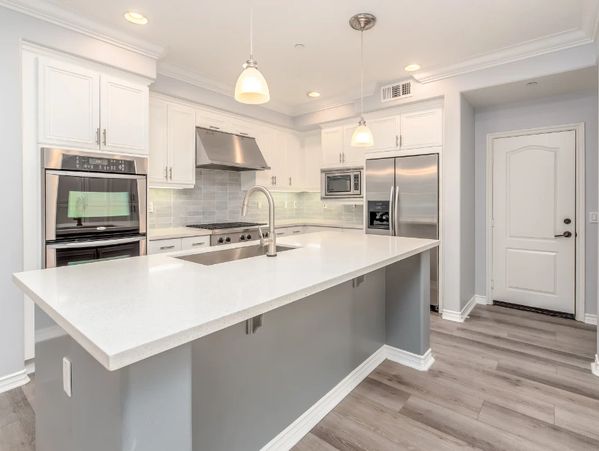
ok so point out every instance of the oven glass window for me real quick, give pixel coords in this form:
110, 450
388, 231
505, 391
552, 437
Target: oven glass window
92, 205
339, 184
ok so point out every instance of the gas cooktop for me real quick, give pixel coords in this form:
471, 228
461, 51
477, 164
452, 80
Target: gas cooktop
226, 225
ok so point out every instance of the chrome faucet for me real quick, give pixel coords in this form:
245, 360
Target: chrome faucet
271, 241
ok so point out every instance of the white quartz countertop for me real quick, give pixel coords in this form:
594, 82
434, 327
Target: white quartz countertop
123, 311
176, 232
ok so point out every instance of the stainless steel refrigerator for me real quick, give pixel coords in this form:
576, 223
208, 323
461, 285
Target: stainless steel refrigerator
402, 199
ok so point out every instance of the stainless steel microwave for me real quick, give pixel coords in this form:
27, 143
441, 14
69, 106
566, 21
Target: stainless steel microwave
341, 183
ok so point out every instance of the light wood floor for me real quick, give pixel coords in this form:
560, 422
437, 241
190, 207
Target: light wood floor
504, 379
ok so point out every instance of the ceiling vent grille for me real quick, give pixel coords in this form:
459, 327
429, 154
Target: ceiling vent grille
396, 91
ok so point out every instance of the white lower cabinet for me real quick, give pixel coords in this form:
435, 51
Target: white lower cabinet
195, 242
163, 246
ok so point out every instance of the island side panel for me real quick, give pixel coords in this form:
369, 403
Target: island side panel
248, 388
146, 405
408, 304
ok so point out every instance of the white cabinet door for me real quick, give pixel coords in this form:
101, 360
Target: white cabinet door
194, 242
69, 105
158, 161
294, 163
332, 146
181, 145
312, 161
352, 156
278, 156
385, 132
211, 120
422, 129
124, 115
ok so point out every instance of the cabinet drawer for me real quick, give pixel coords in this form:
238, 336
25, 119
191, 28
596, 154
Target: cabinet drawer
162, 246
195, 242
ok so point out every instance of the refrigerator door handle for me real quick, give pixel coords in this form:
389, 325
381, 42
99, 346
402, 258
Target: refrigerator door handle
396, 213
391, 213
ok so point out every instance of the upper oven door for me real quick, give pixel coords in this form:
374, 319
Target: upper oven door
79, 204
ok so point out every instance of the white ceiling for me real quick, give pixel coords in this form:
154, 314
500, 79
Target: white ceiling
207, 40
574, 82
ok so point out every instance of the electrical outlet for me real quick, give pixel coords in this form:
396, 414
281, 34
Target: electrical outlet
594, 217
67, 376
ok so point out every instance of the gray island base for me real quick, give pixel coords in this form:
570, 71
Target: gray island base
234, 390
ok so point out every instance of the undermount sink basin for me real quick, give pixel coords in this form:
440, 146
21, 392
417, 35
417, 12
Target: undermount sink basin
228, 255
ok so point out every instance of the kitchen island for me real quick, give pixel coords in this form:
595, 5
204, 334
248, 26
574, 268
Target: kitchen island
167, 353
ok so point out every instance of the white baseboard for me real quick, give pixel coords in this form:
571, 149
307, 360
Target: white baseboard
453, 315
590, 318
13, 380
480, 299
595, 365
293, 433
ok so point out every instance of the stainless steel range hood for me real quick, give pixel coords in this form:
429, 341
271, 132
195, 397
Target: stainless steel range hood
220, 150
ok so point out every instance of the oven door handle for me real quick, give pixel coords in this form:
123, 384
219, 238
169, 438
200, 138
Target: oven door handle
100, 175
96, 243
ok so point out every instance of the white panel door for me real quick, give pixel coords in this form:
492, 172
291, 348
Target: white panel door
421, 129
69, 105
181, 145
294, 163
352, 156
158, 161
124, 115
332, 146
385, 132
534, 205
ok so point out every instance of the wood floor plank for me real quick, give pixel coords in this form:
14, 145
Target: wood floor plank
548, 436
312, 443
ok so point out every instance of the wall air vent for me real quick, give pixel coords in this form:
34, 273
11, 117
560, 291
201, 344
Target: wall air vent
396, 91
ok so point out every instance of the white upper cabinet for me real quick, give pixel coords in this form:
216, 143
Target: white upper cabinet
124, 115
172, 145
181, 145
332, 141
421, 129
69, 105
83, 108
385, 132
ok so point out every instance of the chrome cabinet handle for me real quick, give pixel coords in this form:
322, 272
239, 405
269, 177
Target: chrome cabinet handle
164, 248
564, 235
339, 157
275, 179
104, 136
343, 157
166, 172
199, 244
214, 127
98, 136
396, 140
170, 172
289, 181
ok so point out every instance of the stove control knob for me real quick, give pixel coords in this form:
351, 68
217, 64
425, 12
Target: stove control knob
265, 234
221, 241
249, 237
228, 240
242, 238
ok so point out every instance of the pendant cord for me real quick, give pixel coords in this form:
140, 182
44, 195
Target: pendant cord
251, 33
362, 74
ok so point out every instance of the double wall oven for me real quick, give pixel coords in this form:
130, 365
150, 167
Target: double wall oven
94, 206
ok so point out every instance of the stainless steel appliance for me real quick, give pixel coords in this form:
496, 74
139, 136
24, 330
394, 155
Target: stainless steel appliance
402, 199
94, 206
232, 232
341, 183
216, 149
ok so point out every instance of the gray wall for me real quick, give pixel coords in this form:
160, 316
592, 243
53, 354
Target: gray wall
558, 110
467, 203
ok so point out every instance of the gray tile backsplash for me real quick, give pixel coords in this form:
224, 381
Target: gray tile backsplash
217, 197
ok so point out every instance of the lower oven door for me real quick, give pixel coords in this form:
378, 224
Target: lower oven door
80, 252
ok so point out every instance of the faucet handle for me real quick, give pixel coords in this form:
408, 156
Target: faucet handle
261, 234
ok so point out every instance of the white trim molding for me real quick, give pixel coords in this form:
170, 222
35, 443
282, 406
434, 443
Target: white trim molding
483, 300
293, 433
13, 380
595, 365
460, 317
580, 282
589, 318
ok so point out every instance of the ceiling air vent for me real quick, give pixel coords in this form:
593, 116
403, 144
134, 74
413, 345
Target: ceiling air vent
396, 91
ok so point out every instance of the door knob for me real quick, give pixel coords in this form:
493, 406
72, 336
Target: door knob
565, 235
567, 221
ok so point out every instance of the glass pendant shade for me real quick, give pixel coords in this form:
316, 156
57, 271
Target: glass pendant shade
362, 136
251, 86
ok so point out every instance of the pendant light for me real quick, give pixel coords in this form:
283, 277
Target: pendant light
362, 136
251, 86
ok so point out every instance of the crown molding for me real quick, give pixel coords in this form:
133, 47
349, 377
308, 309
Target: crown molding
53, 14
529, 49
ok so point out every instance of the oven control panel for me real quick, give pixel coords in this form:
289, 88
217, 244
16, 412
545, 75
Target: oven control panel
95, 164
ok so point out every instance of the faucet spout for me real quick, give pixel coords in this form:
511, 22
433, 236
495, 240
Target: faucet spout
271, 241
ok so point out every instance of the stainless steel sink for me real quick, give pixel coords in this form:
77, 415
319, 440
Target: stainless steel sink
228, 255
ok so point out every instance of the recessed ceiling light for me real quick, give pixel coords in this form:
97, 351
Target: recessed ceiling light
412, 67
299, 45
313, 94
136, 18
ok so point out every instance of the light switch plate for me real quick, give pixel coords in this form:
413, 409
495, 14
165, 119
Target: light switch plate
593, 217
66, 376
